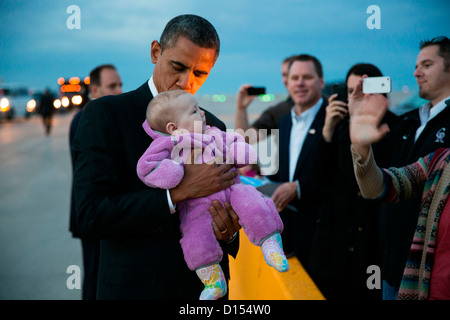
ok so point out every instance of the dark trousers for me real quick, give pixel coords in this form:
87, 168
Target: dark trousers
91, 254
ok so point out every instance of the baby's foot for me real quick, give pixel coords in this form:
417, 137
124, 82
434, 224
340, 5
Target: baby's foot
272, 249
214, 281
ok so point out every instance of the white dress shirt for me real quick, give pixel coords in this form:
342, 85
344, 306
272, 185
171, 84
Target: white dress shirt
426, 113
301, 125
154, 92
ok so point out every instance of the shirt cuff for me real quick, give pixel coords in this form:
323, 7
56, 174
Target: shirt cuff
169, 201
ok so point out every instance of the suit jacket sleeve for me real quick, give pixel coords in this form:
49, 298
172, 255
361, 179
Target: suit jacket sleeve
110, 198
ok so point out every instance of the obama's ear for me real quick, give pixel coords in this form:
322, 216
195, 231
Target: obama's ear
155, 51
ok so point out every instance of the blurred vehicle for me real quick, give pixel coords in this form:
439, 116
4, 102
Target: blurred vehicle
73, 93
16, 101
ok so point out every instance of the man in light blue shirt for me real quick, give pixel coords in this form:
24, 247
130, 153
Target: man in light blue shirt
299, 133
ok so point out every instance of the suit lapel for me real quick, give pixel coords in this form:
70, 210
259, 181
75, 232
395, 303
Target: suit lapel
142, 96
285, 126
140, 99
433, 136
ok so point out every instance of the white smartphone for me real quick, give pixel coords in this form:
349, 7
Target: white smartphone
377, 85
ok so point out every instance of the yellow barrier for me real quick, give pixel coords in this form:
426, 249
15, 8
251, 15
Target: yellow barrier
253, 279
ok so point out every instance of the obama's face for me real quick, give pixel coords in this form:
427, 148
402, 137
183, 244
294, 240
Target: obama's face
183, 66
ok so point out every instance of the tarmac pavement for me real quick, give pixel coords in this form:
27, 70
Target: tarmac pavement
36, 247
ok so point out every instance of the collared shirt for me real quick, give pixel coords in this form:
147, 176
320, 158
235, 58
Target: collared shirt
152, 87
300, 129
426, 113
154, 92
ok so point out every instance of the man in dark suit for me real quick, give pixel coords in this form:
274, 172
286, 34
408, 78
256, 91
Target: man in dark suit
104, 81
299, 134
419, 132
141, 257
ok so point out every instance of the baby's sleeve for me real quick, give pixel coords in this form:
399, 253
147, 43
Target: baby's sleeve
156, 168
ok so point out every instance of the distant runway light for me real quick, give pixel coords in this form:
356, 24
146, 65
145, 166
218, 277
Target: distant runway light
65, 102
266, 97
74, 80
57, 103
77, 99
31, 105
219, 98
4, 104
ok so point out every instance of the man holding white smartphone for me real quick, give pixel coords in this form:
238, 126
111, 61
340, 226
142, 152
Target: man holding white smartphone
419, 132
377, 85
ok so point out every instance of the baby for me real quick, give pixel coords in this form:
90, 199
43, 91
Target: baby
177, 125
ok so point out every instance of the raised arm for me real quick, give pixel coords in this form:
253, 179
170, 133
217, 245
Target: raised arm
366, 112
335, 112
243, 100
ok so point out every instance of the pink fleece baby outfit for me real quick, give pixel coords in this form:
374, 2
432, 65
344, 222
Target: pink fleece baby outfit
162, 166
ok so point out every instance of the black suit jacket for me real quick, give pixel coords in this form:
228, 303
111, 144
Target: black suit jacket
141, 257
73, 226
299, 227
398, 220
346, 238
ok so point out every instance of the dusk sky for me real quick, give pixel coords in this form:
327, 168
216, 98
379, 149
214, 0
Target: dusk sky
37, 47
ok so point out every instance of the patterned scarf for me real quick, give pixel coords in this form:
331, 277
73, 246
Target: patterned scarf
415, 284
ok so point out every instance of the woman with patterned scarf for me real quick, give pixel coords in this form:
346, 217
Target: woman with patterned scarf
427, 270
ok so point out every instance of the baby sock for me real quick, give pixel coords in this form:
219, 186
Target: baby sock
272, 249
214, 280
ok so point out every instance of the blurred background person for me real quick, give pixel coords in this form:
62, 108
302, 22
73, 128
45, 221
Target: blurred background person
427, 271
104, 80
271, 116
346, 241
418, 133
47, 109
299, 135
268, 120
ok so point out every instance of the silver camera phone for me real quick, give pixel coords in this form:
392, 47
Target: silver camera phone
377, 85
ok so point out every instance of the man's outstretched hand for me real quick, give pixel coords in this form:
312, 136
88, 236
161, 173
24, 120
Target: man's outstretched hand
366, 113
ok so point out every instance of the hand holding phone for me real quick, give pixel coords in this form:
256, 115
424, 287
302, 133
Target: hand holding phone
377, 85
341, 90
256, 91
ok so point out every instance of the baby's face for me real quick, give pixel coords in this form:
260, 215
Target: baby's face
190, 116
